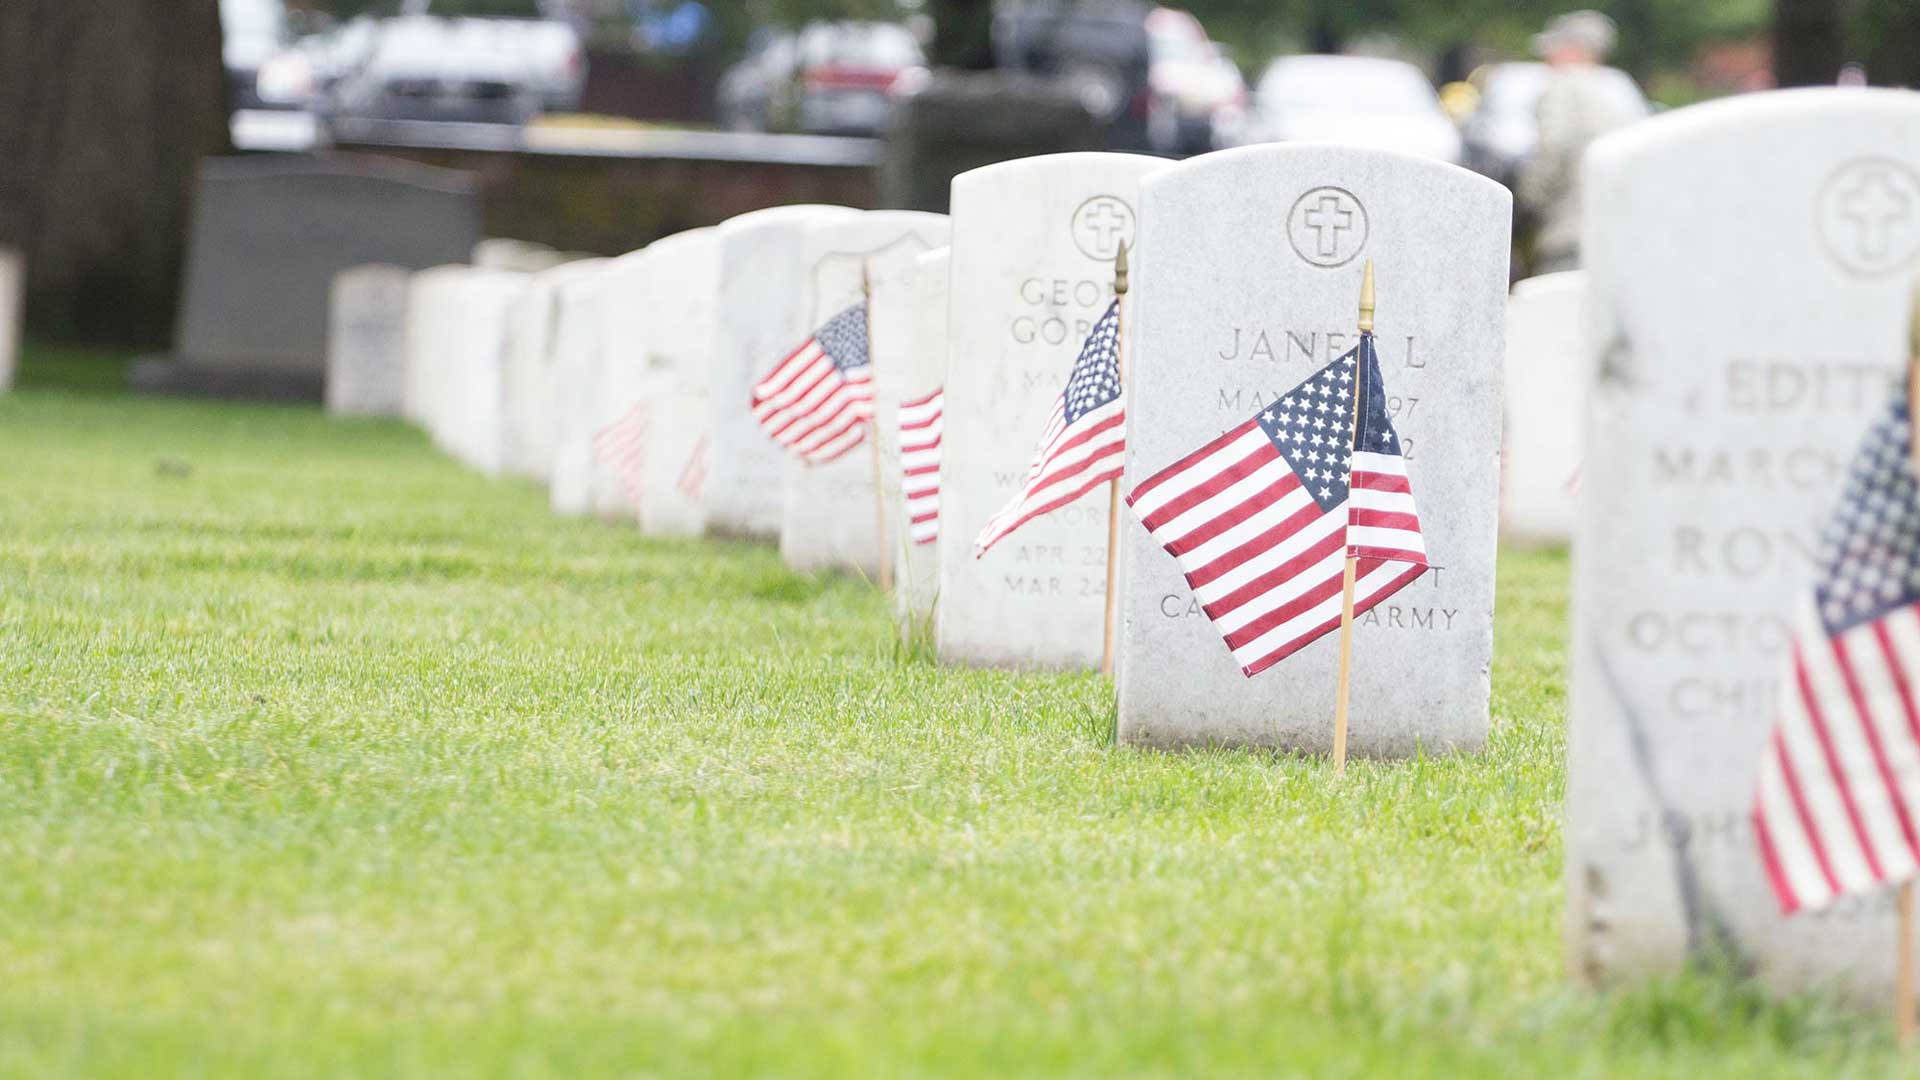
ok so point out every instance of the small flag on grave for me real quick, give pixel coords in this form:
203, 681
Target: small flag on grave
622, 447
693, 476
1264, 518
817, 402
920, 465
1085, 441
1837, 806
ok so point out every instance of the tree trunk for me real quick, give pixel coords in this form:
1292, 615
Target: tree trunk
963, 34
106, 106
1809, 41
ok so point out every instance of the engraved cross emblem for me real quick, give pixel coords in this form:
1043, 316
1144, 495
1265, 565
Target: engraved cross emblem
1105, 223
1100, 224
1328, 220
1874, 206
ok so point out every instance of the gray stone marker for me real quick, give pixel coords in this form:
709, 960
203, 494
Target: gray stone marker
532, 356
1546, 394
912, 304
1749, 307
1248, 281
13, 285
267, 237
366, 341
763, 310
1032, 271
576, 388
456, 357
830, 521
657, 324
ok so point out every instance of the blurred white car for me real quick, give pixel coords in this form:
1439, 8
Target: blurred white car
252, 32
830, 78
1191, 83
496, 70
1359, 101
1502, 130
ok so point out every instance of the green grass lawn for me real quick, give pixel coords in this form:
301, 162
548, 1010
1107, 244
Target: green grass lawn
320, 755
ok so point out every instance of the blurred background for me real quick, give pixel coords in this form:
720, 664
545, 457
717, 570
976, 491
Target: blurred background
596, 126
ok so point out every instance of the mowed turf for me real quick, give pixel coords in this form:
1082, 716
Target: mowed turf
319, 754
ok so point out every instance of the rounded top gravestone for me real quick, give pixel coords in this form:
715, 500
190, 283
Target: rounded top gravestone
1546, 383
1248, 282
575, 389
1748, 310
830, 518
529, 389
762, 310
1032, 273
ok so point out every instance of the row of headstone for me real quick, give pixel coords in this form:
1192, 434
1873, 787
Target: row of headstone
1681, 411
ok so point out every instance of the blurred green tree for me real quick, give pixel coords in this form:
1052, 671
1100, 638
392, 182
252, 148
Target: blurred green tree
106, 107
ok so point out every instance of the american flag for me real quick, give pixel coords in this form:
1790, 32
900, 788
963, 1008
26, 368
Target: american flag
1085, 442
1263, 518
693, 477
818, 400
1838, 798
622, 446
920, 465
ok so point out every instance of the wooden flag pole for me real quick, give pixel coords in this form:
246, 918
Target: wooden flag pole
873, 436
1113, 486
1353, 564
1903, 984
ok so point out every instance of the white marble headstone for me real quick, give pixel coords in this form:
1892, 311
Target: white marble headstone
913, 305
831, 520
1749, 264
658, 326
13, 283
366, 341
520, 256
762, 310
576, 392
1032, 272
1546, 393
532, 330
457, 354
1247, 282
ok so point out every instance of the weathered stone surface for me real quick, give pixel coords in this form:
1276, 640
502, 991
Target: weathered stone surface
576, 382
1546, 399
830, 520
1032, 272
366, 341
268, 235
456, 360
13, 284
763, 305
531, 389
1248, 280
1749, 310
658, 322
910, 309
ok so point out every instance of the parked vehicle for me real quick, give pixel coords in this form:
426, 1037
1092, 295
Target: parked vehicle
830, 78
1102, 47
1502, 130
1192, 84
424, 67
252, 32
1356, 100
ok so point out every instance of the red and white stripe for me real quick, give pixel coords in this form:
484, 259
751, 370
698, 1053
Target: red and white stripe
920, 424
1382, 522
693, 477
1838, 803
622, 446
1262, 558
811, 407
1072, 461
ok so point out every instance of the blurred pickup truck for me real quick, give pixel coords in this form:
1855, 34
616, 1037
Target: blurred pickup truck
487, 70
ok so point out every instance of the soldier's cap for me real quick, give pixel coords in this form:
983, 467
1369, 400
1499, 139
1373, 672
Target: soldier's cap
1588, 30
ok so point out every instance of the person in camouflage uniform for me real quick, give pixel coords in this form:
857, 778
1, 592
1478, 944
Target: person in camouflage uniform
1574, 109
